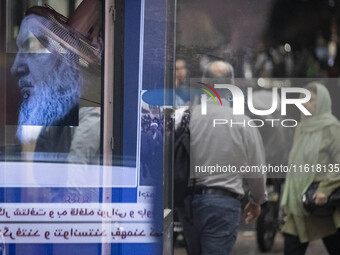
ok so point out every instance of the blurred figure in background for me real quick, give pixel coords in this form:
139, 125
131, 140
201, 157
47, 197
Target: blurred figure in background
181, 73
316, 141
182, 83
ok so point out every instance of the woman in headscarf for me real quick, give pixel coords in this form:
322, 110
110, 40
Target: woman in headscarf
316, 141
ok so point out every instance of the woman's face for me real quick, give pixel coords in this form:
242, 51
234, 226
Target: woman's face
311, 104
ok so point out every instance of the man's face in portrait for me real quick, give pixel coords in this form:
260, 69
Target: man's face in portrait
49, 87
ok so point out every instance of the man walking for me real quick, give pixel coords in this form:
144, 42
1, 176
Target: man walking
230, 147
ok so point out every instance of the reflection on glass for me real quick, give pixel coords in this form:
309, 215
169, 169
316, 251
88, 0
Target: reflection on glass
56, 76
151, 142
57, 67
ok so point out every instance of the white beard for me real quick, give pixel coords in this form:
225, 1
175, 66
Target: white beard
29, 133
51, 100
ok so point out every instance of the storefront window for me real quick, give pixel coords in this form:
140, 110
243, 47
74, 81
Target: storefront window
70, 128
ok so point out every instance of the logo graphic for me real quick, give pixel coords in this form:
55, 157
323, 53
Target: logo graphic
209, 93
239, 100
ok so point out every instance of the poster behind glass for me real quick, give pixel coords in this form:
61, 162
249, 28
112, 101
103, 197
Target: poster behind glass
55, 193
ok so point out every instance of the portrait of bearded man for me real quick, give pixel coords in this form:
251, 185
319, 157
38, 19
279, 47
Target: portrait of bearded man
50, 88
55, 130
51, 81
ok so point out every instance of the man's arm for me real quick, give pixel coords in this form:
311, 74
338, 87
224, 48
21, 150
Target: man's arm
256, 157
256, 180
